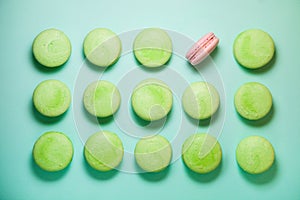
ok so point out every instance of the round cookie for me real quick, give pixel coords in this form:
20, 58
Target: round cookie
253, 48
51, 98
200, 100
101, 98
102, 47
152, 99
201, 153
255, 154
152, 47
51, 48
103, 151
153, 154
253, 101
53, 151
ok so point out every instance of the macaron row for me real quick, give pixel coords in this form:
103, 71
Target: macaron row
152, 99
152, 47
104, 151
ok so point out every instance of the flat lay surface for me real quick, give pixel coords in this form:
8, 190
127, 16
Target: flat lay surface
185, 22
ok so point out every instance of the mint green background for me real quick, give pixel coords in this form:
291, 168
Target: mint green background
21, 21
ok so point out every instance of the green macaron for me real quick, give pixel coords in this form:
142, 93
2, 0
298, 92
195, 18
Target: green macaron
201, 153
102, 47
153, 154
152, 47
53, 151
51, 98
103, 151
253, 101
51, 48
152, 99
102, 98
255, 154
200, 100
253, 48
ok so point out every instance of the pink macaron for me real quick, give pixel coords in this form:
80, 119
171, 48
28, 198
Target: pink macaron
202, 48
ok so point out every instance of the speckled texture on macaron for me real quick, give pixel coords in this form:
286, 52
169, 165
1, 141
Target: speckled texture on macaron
53, 151
51, 48
153, 154
255, 154
201, 153
52, 98
152, 99
253, 101
104, 151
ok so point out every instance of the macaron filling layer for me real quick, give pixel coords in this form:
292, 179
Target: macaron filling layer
152, 47
153, 154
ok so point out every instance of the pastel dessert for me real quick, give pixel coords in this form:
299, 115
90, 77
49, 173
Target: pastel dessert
152, 47
255, 154
152, 99
51, 48
104, 151
202, 48
253, 48
153, 154
102, 98
102, 47
53, 151
201, 153
51, 98
253, 101
200, 100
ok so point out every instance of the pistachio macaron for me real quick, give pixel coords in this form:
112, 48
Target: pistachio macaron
152, 99
53, 151
51, 48
200, 100
255, 154
152, 47
104, 151
253, 101
51, 98
201, 153
102, 47
153, 154
253, 48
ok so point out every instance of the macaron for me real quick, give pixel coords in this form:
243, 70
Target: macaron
104, 151
201, 153
153, 154
152, 99
152, 47
53, 151
102, 47
200, 100
253, 101
202, 48
51, 98
51, 48
253, 48
101, 98
255, 154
